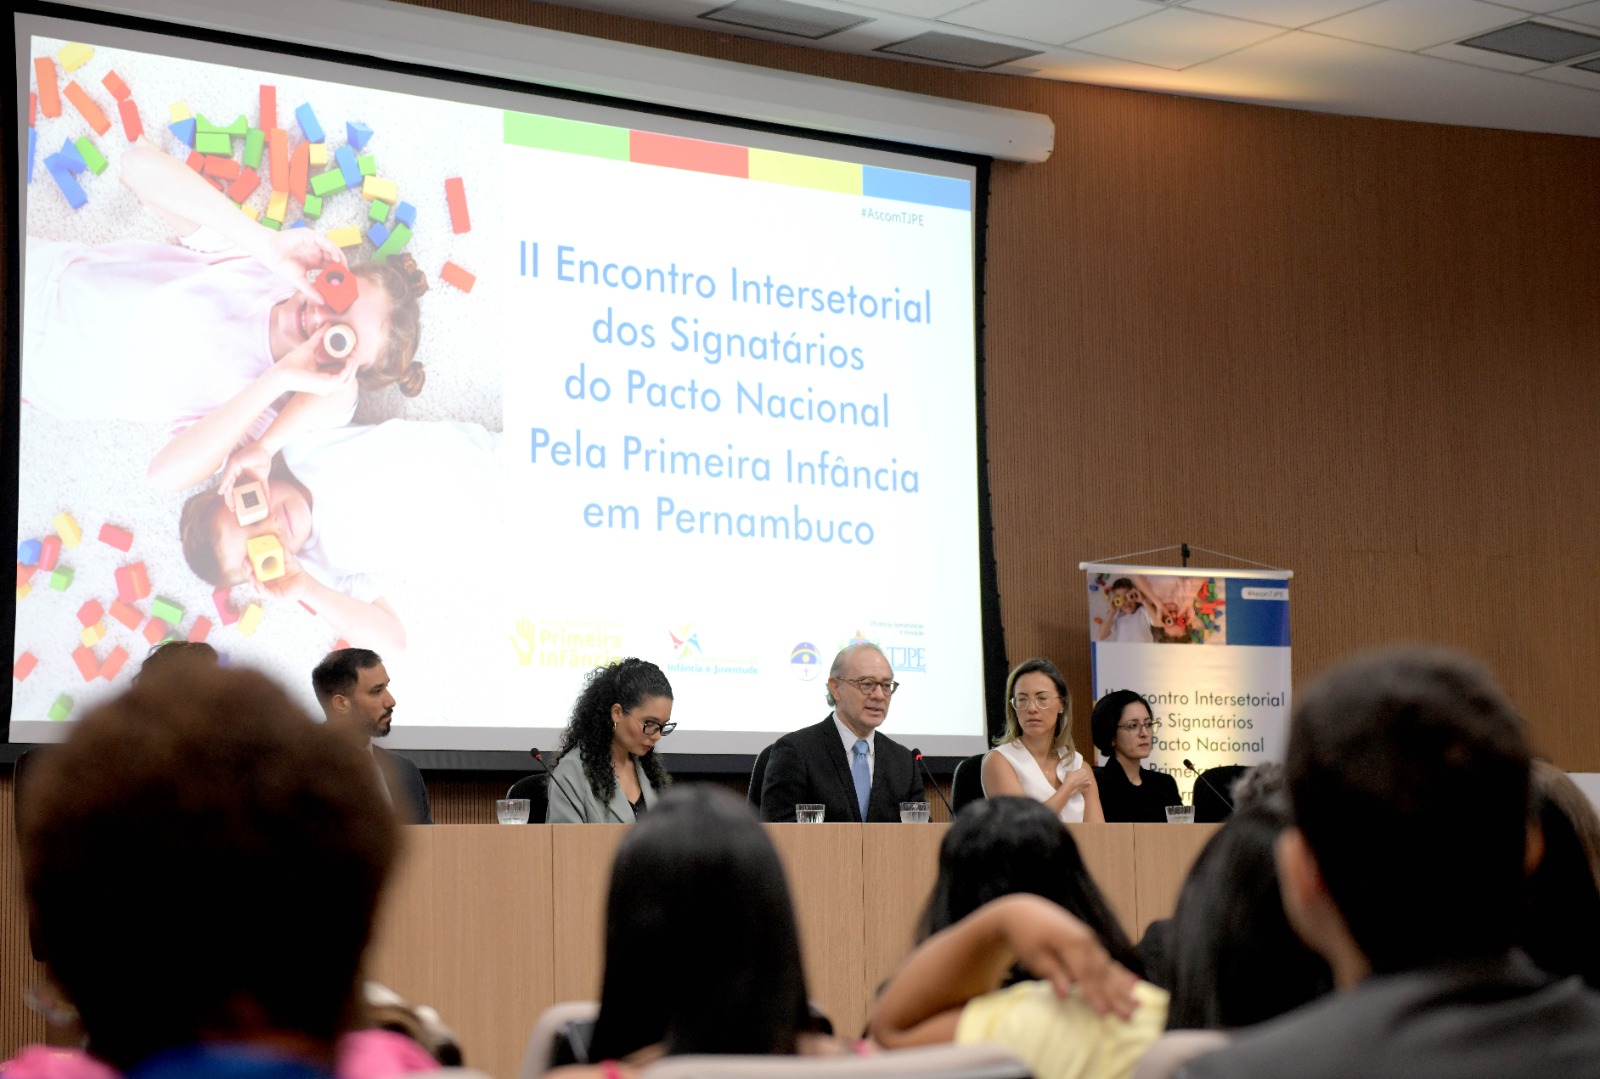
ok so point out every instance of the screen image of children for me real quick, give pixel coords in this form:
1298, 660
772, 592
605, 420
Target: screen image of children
223, 335
1127, 620
1183, 610
355, 519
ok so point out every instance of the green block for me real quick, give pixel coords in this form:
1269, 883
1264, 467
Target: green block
312, 206
254, 142
166, 610
367, 164
61, 578
397, 240
213, 142
204, 126
90, 155
379, 211
239, 126
326, 183
271, 223
61, 708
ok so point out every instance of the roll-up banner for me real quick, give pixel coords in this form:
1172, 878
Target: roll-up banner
1220, 697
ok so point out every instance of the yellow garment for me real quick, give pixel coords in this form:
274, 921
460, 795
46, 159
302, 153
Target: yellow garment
1062, 1037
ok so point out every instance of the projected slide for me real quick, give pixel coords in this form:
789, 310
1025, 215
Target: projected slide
500, 386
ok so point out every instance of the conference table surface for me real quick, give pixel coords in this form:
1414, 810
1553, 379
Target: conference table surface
492, 924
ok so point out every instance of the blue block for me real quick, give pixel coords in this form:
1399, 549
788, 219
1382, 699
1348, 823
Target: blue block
298, 225
33, 140
63, 178
308, 123
72, 159
377, 234
406, 214
357, 134
346, 160
28, 552
184, 129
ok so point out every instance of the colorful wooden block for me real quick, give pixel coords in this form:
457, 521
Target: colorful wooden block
299, 165
337, 288
33, 108
266, 557
61, 578
278, 206
213, 142
196, 161
376, 187
178, 110
267, 119
345, 158
28, 552
225, 611
22, 591
49, 552
455, 275
112, 536
250, 503
25, 573
71, 158
44, 74
356, 134
24, 666
132, 126
311, 207
278, 159
251, 619
241, 189
200, 630
133, 582
254, 141
393, 245
61, 709
128, 616
378, 211
115, 86
237, 128
348, 236
167, 610
67, 529
156, 631
319, 154
90, 155
328, 183
74, 56
90, 613
455, 194
406, 214
113, 664
367, 164
251, 212
88, 665
183, 131
378, 235
308, 123
92, 635
223, 168
70, 189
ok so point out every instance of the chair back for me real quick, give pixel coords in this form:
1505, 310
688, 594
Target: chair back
1213, 793
540, 1055
536, 789
758, 773
1170, 1052
966, 786
934, 1062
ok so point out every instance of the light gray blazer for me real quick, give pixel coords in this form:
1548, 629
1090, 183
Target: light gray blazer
573, 802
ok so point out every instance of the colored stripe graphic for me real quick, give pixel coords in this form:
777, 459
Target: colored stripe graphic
797, 171
689, 154
566, 136
918, 187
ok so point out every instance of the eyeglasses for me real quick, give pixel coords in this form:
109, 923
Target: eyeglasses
1142, 725
652, 729
868, 686
1037, 702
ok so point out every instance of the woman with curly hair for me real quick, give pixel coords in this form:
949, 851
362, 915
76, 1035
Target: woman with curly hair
608, 772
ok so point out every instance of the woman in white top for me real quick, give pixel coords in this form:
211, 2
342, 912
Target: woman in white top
1035, 758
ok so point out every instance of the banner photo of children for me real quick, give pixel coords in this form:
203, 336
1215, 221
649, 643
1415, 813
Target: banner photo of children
261, 397
1139, 608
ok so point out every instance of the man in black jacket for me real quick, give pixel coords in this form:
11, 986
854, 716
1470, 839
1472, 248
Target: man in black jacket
353, 688
843, 763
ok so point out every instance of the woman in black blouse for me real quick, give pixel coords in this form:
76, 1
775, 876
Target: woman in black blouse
1123, 729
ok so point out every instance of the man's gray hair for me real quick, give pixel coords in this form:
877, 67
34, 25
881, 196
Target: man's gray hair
837, 670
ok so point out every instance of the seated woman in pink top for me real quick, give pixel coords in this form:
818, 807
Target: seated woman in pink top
1035, 758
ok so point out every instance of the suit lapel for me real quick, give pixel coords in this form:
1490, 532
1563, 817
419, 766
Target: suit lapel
841, 766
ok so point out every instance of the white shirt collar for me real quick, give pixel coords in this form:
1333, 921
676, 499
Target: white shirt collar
849, 738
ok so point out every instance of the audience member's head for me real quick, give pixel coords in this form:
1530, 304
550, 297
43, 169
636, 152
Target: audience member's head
1408, 774
204, 866
702, 954
1562, 927
185, 654
352, 685
1001, 846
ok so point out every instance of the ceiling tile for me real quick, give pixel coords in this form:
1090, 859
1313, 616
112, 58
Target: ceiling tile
1416, 24
922, 9
1484, 58
1176, 38
1288, 13
1538, 7
1054, 23
1586, 14
1571, 76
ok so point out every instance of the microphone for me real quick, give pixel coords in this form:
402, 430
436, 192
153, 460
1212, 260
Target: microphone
1209, 785
538, 758
917, 753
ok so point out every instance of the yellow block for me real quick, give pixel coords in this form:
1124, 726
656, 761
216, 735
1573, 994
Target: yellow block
375, 187
349, 236
71, 535
278, 206
92, 635
179, 110
74, 56
23, 590
250, 619
266, 557
250, 211
319, 154
797, 170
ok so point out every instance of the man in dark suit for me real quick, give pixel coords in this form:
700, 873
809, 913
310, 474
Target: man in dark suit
353, 688
843, 763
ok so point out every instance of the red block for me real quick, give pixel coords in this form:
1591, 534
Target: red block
455, 193
33, 108
88, 666
90, 613
269, 108
458, 277
224, 168
132, 126
49, 552
24, 574
196, 161
113, 663
226, 613
44, 71
278, 159
24, 666
113, 82
113, 536
156, 631
338, 289
201, 629
299, 165
87, 108
133, 582
247, 182
128, 616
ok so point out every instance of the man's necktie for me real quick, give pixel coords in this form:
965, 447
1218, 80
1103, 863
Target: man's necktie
861, 774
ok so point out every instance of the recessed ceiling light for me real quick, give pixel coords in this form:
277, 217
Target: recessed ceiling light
1589, 65
958, 50
1536, 41
784, 17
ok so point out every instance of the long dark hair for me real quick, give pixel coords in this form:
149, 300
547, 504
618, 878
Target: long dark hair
697, 892
1002, 846
627, 682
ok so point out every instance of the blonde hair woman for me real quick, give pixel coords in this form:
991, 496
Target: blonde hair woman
1035, 758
